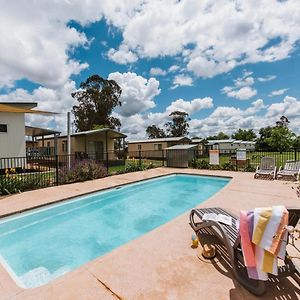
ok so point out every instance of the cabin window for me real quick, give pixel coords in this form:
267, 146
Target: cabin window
139, 147
3, 127
64, 146
157, 146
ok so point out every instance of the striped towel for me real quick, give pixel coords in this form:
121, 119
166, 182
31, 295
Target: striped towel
263, 239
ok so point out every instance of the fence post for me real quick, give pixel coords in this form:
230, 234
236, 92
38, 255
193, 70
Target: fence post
140, 158
163, 157
295, 154
56, 168
107, 161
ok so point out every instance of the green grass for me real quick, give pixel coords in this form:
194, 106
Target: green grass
255, 157
146, 162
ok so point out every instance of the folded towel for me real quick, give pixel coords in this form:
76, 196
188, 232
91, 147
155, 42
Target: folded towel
263, 239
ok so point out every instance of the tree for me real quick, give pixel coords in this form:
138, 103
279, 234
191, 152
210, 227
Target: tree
244, 135
97, 98
281, 139
154, 131
264, 134
179, 125
220, 136
283, 122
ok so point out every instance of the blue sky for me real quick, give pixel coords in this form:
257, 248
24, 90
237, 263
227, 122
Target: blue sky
236, 72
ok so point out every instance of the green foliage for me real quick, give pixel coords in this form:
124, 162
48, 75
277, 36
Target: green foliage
154, 131
179, 125
228, 166
264, 134
244, 135
200, 164
220, 136
281, 139
82, 171
23, 182
249, 168
97, 97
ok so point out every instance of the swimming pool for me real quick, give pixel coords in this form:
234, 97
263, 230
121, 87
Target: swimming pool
43, 244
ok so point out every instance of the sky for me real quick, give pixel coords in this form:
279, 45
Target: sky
229, 64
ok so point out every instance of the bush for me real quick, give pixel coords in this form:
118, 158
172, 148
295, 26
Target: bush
134, 166
228, 166
249, 168
11, 184
200, 164
82, 171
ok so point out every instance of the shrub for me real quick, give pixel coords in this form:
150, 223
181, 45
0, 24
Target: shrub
200, 164
82, 171
249, 168
134, 166
228, 166
11, 184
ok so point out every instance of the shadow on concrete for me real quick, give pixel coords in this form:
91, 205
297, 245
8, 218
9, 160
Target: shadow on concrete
276, 288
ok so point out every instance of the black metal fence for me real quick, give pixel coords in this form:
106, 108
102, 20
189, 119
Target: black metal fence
19, 174
33, 172
228, 158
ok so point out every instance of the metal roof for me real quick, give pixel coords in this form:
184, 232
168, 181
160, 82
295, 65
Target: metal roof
181, 147
22, 107
220, 141
197, 140
37, 131
110, 133
167, 139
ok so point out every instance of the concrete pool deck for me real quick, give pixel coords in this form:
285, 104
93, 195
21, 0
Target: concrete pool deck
161, 264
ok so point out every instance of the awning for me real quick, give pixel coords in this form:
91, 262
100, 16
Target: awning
36, 131
15, 109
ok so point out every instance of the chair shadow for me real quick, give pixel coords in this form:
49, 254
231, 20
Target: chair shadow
276, 288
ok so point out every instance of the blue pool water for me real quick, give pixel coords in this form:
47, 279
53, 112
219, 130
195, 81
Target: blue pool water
43, 244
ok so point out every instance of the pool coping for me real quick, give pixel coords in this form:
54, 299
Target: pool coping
102, 273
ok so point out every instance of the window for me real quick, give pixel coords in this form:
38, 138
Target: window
157, 146
64, 146
139, 147
3, 128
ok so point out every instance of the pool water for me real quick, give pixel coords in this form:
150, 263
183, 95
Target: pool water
41, 245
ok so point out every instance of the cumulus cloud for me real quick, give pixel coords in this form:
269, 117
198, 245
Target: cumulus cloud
137, 92
136, 124
190, 106
182, 80
181, 29
157, 72
242, 89
37, 40
122, 56
278, 92
56, 100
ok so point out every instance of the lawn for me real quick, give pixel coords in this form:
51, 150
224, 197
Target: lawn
254, 157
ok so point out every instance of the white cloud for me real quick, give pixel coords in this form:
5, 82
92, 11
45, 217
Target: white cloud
278, 92
190, 106
137, 92
266, 78
182, 80
122, 56
242, 89
179, 28
56, 100
243, 93
37, 40
173, 68
157, 72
